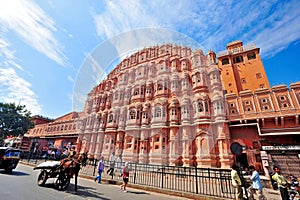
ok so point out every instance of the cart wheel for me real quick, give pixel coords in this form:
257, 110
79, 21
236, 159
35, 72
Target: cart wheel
63, 181
8, 171
42, 178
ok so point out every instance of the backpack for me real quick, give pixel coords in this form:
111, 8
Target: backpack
274, 185
273, 182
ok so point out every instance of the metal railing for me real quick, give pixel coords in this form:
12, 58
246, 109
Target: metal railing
202, 181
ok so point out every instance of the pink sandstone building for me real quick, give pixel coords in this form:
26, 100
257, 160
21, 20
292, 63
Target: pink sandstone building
174, 106
161, 105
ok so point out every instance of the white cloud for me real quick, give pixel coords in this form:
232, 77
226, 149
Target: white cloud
32, 24
212, 23
284, 30
70, 78
15, 89
7, 55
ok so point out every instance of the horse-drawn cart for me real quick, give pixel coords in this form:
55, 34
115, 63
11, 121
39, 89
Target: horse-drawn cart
52, 169
62, 171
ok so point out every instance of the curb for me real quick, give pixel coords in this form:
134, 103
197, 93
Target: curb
159, 190
146, 188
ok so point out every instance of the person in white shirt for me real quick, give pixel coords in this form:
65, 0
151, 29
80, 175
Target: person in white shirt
110, 171
119, 164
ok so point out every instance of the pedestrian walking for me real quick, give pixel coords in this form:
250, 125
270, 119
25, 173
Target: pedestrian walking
125, 176
110, 171
33, 152
100, 168
119, 164
256, 186
282, 183
236, 182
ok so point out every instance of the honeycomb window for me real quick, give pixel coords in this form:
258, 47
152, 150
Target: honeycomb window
264, 100
282, 98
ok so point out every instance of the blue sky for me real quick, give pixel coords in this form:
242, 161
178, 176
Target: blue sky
48, 49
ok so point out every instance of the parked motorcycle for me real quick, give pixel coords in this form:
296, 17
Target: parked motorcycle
294, 188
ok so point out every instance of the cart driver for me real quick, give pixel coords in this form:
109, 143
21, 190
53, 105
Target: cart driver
72, 154
69, 158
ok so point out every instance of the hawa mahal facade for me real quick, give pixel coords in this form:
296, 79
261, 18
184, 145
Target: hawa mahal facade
173, 106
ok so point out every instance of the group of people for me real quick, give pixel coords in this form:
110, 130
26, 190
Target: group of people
124, 171
55, 153
256, 186
237, 179
238, 183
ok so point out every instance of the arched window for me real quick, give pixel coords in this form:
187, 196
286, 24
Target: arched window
110, 118
185, 110
136, 91
145, 115
159, 86
225, 61
148, 90
206, 106
251, 56
132, 114
173, 111
116, 96
157, 112
200, 107
238, 59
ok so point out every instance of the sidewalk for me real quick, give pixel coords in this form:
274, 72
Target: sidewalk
271, 194
268, 192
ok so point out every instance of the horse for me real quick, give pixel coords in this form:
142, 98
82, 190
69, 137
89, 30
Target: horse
71, 166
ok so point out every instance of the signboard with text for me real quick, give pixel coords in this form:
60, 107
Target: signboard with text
288, 147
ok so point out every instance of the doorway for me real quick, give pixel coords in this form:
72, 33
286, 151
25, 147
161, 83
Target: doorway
242, 160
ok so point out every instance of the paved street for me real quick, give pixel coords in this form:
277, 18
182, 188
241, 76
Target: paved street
88, 189
22, 185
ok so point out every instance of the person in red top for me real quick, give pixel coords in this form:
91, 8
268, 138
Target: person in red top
125, 176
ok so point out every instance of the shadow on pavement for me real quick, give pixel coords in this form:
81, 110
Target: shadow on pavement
134, 192
85, 192
14, 173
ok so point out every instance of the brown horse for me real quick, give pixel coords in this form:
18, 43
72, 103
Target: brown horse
69, 167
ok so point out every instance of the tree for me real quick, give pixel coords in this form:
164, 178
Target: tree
14, 120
